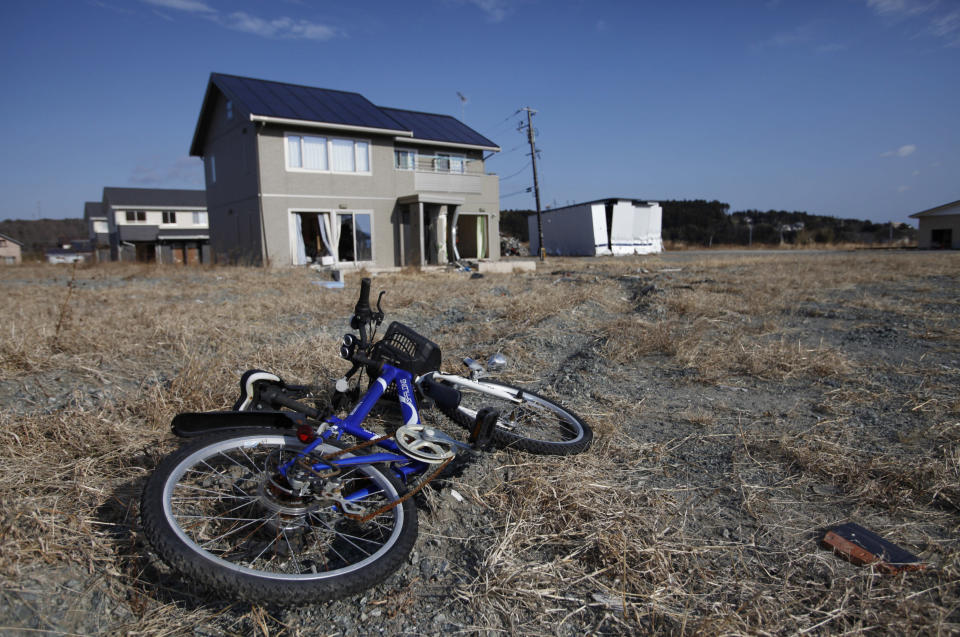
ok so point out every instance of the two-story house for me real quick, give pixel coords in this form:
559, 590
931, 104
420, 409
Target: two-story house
154, 225
298, 175
10, 250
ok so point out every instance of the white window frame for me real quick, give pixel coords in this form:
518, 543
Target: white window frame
356, 141
412, 152
136, 214
163, 217
199, 218
452, 159
335, 228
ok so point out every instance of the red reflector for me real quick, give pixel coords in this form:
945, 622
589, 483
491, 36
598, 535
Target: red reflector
305, 434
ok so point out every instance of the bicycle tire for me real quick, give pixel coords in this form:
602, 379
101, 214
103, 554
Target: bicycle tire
281, 551
537, 425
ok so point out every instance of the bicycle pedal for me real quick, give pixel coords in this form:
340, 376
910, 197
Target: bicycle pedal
482, 434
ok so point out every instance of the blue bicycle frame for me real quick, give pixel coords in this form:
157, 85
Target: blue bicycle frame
404, 466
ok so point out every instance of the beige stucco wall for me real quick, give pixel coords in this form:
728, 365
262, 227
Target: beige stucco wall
928, 224
9, 251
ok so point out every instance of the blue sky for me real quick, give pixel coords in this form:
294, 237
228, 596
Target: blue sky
841, 107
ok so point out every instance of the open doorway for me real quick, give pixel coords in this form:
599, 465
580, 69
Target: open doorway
472, 236
941, 238
314, 237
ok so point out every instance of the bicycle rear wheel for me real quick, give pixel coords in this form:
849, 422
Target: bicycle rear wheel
217, 511
534, 424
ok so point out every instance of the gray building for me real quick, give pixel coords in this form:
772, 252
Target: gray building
98, 230
302, 175
153, 225
939, 227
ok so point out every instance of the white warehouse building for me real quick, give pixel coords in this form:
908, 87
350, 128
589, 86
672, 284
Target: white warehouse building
600, 227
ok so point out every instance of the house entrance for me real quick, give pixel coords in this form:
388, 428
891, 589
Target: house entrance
471, 236
941, 238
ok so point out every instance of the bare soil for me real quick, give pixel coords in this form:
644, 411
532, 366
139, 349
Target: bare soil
742, 403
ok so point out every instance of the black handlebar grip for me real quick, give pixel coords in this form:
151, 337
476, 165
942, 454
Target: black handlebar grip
362, 308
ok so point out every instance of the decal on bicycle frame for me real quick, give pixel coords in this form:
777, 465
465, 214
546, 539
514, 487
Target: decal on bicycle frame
408, 408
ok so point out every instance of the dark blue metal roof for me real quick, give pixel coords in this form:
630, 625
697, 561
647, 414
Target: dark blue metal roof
292, 101
325, 106
160, 197
439, 128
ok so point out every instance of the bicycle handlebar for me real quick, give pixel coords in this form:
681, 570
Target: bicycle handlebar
361, 310
275, 395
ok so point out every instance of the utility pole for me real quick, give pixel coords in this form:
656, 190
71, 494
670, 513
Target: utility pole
536, 184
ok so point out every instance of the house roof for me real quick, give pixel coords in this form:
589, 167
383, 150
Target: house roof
931, 211
283, 103
155, 197
11, 239
92, 209
438, 128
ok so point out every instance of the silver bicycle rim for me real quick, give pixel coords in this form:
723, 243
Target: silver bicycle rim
515, 418
322, 523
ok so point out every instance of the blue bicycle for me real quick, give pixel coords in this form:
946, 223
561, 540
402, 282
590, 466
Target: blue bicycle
280, 501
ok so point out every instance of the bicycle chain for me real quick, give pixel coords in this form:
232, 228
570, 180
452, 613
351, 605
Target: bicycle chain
363, 519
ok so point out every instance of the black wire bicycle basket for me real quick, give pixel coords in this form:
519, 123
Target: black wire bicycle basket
402, 347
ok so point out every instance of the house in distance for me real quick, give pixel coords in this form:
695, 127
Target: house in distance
301, 175
150, 225
599, 227
939, 227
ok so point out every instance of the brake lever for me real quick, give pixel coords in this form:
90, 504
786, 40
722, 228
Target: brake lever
379, 316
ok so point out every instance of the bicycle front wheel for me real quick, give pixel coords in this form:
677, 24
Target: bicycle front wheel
531, 422
218, 511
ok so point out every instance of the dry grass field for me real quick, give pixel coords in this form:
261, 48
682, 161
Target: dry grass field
741, 404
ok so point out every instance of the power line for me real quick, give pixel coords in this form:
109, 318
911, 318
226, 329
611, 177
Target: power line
516, 173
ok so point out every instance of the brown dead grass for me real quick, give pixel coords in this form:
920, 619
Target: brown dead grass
620, 540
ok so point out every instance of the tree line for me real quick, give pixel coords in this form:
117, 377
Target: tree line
707, 223
40, 235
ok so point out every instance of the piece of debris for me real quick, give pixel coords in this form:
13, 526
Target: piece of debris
456, 495
609, 601
862, 547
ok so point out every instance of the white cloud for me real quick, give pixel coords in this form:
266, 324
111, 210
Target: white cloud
798, 35
156, 172
190, 6
941, 25
900, 7
282, 27
496, 10
831, 48
903, 151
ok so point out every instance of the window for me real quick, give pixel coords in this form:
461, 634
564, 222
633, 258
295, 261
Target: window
449, 163
213, 169
199, 218
356, 238
344, 158
229, 109
404, 159
136, 216
169, 216
100, 227
3, 243
308, 152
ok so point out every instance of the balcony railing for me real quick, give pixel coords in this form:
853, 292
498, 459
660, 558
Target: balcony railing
440, 164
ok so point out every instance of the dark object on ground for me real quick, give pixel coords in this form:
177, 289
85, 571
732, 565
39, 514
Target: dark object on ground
863, 547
